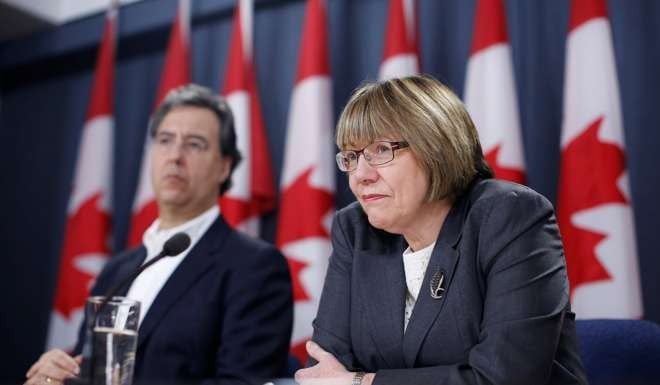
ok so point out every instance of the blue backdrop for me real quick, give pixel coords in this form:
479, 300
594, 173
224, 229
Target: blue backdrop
45, 84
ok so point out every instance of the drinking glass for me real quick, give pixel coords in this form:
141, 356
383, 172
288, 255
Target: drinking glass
110, 341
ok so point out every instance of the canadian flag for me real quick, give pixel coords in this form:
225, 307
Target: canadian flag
176, 72
490, 93
253, 190
400, 55
308, 176
594, 213
87, 235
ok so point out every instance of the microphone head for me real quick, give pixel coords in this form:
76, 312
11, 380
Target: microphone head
176, 244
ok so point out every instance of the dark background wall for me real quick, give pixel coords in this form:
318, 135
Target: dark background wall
45, 82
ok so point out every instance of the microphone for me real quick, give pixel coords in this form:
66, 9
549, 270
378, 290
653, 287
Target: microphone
175, 245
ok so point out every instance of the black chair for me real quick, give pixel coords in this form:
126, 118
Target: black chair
620, 352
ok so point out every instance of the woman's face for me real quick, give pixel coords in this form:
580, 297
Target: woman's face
393, 194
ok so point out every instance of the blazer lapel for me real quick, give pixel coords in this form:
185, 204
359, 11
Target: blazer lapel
442, 265
383, 290
129, 268
198, 260
123, 271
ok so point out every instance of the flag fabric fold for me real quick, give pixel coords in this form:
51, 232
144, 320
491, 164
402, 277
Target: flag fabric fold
490, 92
308, 176
400, 52
253, 191
594, 208
88, 229
176, 72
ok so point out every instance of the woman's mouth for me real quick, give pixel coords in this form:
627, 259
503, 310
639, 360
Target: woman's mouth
372, 197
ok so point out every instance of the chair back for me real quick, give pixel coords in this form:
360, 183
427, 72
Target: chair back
620, 352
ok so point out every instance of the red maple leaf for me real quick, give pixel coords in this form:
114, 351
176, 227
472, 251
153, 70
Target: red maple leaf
589, 172
236, 210
86, 233
302, 210
510, 174
296, 267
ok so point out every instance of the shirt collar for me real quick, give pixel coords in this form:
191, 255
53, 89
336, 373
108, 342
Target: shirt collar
154, 238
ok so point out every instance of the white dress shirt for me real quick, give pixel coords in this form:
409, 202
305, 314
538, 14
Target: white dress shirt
414, 265
147, 285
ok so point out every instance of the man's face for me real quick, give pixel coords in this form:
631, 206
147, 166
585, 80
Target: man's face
186, 165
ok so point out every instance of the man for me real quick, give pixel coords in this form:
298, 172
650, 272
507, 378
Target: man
219, 312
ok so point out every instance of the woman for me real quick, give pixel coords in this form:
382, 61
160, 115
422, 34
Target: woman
439, 274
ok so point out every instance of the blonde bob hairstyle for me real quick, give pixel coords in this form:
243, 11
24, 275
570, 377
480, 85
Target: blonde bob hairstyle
430, 117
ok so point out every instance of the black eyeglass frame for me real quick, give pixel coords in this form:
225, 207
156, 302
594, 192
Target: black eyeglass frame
395, 145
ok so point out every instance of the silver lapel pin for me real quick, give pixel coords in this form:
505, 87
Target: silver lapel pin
437, 288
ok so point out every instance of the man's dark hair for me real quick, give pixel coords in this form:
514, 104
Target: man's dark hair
197, 96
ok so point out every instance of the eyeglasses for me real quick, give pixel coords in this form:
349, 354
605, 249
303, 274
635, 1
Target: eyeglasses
375, 154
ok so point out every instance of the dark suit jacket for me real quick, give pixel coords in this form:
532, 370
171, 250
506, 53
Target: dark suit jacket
504, 317
224, 316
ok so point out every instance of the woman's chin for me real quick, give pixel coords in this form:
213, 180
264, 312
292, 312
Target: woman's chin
380, 223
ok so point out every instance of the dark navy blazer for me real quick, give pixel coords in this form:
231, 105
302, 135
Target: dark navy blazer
224, 316
504, 317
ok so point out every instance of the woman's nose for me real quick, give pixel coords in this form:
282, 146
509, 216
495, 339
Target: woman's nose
364, 172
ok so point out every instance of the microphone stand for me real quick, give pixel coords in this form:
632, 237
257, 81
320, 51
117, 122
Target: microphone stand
175, 245
108, 297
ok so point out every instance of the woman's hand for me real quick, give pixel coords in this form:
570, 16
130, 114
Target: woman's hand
328, 370
52, 368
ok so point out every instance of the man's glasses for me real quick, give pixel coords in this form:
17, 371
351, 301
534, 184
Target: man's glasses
375, 154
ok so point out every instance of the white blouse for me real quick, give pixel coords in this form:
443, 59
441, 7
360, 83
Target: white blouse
414, 265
